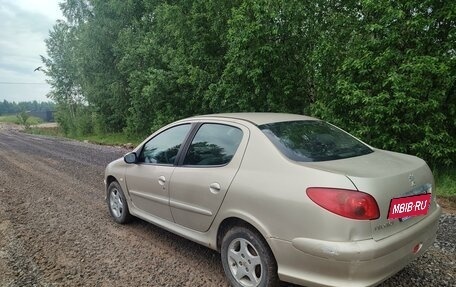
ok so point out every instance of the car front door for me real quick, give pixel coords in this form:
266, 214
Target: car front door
148, 179
202, 178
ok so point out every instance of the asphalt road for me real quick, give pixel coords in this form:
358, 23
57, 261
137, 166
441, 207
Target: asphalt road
55, 229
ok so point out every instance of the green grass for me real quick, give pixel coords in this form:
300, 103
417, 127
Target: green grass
14, 120
445, 182
55, 131
34, 121
104, 139
110, 139
9, 119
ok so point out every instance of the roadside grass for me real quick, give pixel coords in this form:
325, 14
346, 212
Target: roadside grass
110, 139
9, 119
14, 120
445, 181
34, 121
119, 139
46, 131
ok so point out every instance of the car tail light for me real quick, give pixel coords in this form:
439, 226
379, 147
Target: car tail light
347, 203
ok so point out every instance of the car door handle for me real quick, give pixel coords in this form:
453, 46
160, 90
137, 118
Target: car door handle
162, 180
214, 188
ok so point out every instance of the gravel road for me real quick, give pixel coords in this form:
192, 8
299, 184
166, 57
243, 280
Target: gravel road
55, 229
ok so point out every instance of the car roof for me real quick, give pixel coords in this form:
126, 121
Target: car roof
258, 118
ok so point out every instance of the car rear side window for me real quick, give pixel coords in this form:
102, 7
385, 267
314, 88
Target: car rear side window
312, 140
163, 148
213, 144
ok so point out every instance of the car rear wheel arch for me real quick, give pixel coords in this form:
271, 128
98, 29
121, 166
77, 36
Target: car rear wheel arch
233, 235
231, 222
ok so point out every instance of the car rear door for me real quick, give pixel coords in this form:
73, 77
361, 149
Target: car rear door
201, 180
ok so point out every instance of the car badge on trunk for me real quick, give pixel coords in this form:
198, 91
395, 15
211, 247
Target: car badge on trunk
412, 180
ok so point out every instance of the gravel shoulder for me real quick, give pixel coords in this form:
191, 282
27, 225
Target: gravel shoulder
55, 229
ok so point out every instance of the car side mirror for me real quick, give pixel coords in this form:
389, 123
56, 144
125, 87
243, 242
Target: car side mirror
131, 157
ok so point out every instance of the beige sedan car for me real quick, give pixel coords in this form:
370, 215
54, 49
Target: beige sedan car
281, 196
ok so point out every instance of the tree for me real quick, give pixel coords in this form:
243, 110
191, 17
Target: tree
62, 70
171, 55
384, 70
269, 65
395, 86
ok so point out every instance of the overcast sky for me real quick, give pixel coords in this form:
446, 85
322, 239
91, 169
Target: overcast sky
24, 24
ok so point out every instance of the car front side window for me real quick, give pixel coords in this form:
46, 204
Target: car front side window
213, 144
163, 148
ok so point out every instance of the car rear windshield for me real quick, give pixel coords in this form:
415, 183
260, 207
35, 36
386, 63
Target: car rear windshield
312, 140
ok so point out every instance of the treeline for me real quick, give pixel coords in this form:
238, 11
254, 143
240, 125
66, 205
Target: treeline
383, 70
8, 108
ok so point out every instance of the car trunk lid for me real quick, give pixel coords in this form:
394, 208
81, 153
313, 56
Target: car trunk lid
386, 175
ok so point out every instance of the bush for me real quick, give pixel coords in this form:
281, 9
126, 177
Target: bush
22, 119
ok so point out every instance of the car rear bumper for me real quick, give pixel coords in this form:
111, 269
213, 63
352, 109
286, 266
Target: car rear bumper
312, 262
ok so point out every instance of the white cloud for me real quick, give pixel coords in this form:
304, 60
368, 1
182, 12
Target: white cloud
24, 26
49, 8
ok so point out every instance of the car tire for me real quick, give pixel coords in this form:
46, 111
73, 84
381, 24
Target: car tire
117, 203
247, 259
